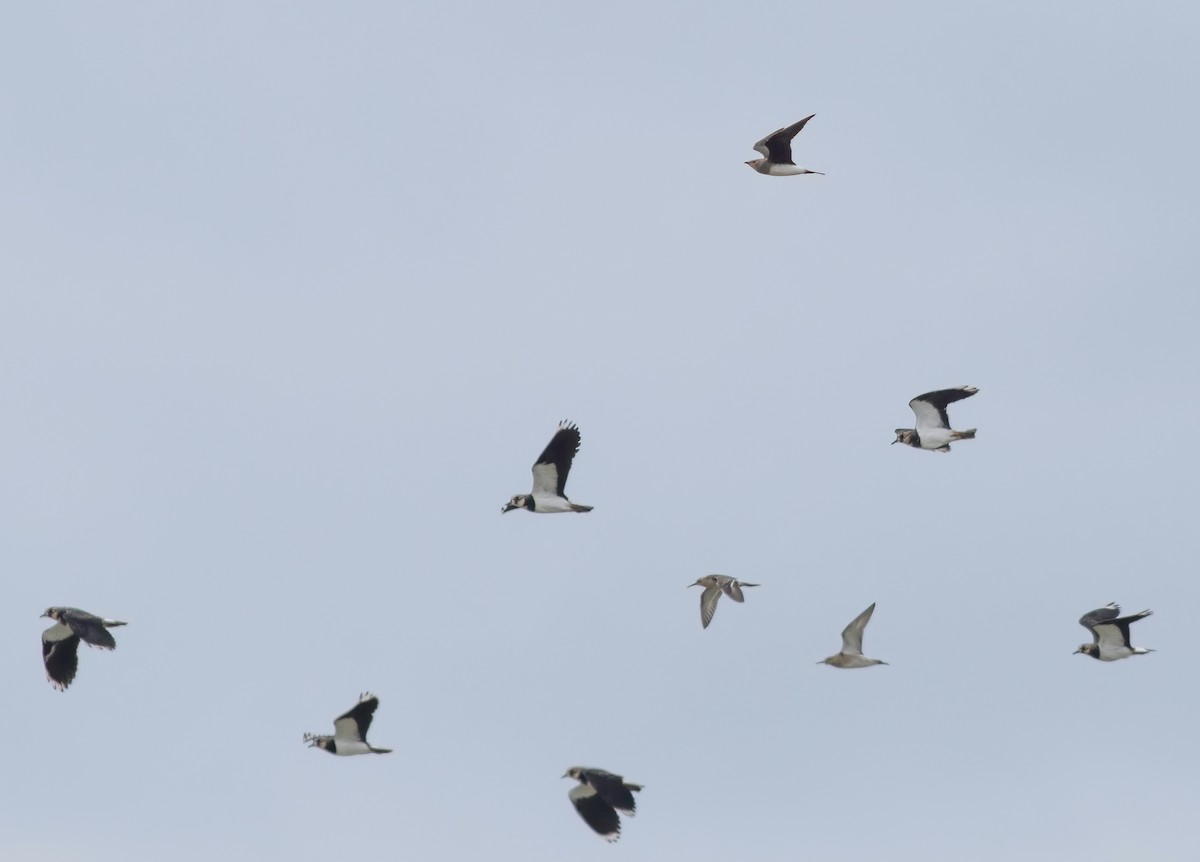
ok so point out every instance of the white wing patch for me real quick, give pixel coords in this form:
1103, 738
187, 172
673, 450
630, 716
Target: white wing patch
927, 415
545, 480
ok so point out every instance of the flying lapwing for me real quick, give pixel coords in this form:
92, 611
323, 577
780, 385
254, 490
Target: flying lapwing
550, 476
598, 798
777, 151
350, 731
851, 655
1110, 633
60, 642
714, 586
933, 425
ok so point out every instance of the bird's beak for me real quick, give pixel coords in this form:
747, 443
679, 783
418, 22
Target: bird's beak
690, 585
897, 440
44, 615
508, 507
566, 775
818, 173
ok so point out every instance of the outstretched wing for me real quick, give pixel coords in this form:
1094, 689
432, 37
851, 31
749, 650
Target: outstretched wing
595, 812
353, 726
613, 790
930, 408
1092, 619
60, 655
777, 146
1116, 632
708, 604
552, 466
852, 635
89, 627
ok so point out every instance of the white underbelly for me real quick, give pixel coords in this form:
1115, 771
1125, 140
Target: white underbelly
935, 438
546, 503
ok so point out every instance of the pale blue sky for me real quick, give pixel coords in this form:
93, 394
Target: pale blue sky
296, 292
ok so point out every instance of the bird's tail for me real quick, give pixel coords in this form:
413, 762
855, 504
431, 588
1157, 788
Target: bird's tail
969, 434
575, 507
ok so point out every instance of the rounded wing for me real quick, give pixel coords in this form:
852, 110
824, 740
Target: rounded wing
552, 466
930, 408
353, 726
60, 655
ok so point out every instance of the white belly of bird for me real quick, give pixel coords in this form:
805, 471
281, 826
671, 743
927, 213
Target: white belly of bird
935, 438
348, 749
547, 503
785, 170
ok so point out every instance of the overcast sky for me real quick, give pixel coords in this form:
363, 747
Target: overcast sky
294, 294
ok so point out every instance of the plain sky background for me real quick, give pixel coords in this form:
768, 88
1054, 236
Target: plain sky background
294, 294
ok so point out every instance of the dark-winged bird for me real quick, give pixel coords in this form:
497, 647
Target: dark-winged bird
350, 731
60, 642
933, 424
550, 476
599, 796
1110, 633
777, 152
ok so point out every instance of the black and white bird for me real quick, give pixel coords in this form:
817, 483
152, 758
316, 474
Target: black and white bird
60, 642
598, 798
350, 731
851, 655
714, 586
550, 476
1110, 633
933, 425
777, 151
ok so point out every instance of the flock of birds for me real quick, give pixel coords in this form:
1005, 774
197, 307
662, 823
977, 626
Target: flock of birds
600, 796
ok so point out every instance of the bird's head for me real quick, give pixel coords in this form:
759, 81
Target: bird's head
315, 741
53, 613
1088, 649
755, 163
520, 501
903, 435
575, 772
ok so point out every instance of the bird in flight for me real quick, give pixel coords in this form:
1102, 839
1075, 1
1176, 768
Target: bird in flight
60, 642
350, 731
714, 586
933, 430
550, 476
851, 655
599, 796
1110, 633
777, 152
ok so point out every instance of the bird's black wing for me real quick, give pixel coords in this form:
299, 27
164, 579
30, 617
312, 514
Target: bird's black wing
60, 655
355, 723
930, 408
777, 146
89, 627
613, 789
552, 466
1099, 616
595, 812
